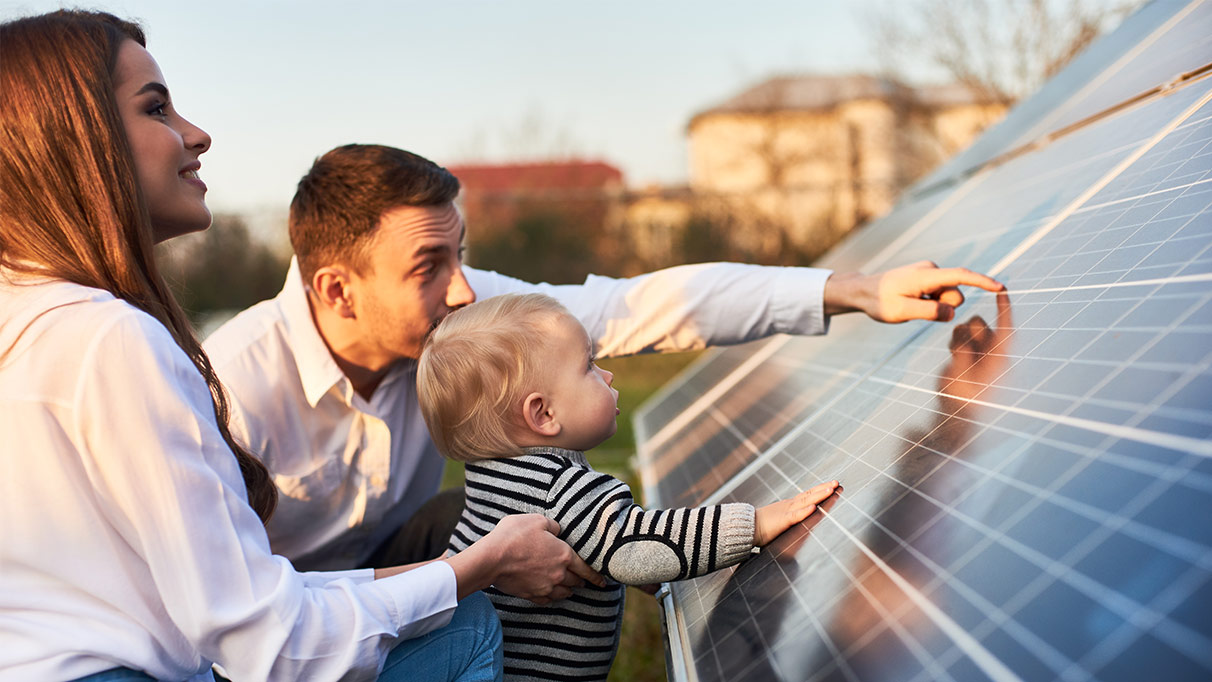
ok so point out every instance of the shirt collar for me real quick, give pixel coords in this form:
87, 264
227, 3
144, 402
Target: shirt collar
318, 372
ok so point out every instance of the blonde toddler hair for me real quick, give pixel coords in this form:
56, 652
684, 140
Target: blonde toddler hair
477, 367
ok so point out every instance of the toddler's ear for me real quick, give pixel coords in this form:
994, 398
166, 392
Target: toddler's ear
536, 410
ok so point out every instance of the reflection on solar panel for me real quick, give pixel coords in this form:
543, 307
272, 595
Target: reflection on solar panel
1028, 490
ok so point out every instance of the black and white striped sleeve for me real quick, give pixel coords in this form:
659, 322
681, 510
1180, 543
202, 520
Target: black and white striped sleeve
619, 539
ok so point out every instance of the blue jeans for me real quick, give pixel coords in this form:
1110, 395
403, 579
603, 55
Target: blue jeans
118, 675
468, 649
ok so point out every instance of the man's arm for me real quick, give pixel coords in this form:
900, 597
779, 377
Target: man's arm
693, 306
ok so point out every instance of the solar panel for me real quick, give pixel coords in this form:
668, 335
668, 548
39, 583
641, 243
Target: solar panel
1027, 490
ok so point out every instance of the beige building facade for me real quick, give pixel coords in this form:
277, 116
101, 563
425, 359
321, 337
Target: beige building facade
799, 161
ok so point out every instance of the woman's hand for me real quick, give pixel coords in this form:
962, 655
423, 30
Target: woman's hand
524, 557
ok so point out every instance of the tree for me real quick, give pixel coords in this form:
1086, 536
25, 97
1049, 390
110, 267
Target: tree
221, 269
546, 243
1002, 50
713, 236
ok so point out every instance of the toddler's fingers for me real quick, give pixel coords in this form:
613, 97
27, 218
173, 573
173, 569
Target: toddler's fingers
821, 492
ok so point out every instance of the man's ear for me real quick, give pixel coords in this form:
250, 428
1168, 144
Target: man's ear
536, 410
331, 285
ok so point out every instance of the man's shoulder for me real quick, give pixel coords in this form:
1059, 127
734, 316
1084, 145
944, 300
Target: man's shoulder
248, 336
254, 357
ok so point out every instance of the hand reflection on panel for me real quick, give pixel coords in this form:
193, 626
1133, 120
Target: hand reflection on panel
741, 628
877, 616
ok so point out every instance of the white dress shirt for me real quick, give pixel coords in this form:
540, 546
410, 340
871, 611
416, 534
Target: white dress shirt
127, 540
351, 470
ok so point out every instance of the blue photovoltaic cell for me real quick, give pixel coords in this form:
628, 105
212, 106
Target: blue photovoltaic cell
1027, 489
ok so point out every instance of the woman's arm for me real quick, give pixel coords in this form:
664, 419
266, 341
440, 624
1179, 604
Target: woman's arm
522, 556
167, 483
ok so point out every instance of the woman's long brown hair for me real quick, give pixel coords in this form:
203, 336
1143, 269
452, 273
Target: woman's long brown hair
70, 205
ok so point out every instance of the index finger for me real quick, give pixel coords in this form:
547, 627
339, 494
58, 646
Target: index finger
950, 277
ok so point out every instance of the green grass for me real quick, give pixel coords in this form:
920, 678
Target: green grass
641, 656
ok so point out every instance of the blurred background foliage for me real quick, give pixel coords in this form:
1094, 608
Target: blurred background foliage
216, 273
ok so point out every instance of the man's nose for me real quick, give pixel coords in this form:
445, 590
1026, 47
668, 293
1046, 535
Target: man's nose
459, 293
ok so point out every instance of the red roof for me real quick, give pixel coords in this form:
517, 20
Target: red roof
557, 175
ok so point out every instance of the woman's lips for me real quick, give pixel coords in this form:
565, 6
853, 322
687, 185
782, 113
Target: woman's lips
191, 176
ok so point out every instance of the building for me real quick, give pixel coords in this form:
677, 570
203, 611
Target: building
551, 221
800, 160
495, 196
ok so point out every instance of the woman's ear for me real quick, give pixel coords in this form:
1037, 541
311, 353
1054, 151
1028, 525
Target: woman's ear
536, 410
331, 285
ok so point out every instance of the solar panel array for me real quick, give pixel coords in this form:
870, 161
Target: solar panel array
1027, 490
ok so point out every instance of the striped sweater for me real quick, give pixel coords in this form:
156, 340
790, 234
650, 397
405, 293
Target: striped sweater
575, 638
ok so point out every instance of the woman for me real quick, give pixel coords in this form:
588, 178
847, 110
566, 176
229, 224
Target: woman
131, 547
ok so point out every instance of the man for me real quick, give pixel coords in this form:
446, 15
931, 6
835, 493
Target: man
322, 377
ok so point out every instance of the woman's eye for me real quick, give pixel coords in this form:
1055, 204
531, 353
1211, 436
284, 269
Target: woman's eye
158, 110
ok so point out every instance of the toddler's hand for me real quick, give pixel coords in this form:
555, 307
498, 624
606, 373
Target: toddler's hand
774, 519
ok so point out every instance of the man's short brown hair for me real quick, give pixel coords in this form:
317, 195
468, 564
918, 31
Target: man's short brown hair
340, 201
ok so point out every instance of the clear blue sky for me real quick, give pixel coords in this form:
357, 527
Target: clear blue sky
277, 83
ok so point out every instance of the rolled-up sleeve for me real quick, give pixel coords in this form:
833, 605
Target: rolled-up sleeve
683, 308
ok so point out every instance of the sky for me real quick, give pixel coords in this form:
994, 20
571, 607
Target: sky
276, 84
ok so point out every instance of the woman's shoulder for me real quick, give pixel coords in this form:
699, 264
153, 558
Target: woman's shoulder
47, 315
37, 296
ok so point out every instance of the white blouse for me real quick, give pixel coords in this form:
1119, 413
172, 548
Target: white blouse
125, 537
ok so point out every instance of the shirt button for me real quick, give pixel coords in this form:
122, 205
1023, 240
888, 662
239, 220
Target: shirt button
377, 481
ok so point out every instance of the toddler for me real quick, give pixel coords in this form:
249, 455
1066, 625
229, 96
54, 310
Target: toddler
509, 386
